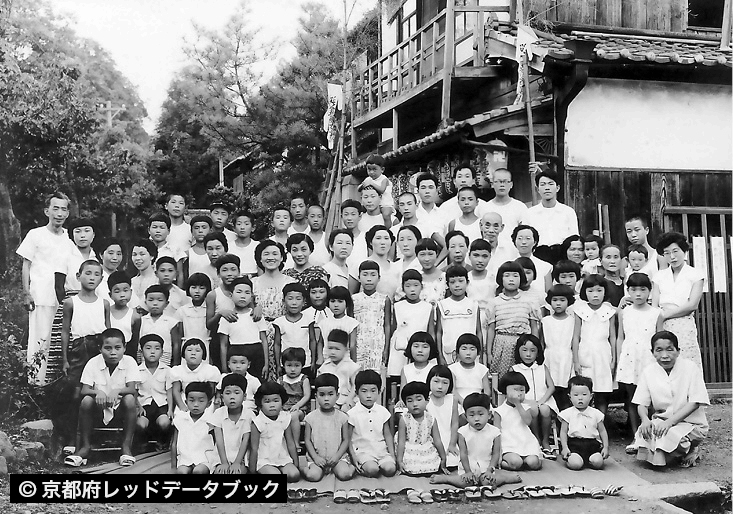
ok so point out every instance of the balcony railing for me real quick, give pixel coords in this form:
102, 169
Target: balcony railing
421, 61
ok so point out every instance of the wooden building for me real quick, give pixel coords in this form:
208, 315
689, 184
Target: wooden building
630, 102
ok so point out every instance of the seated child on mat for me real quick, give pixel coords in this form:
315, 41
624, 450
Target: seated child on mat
192, 449
419, 445
327, 434
232, 422
298, 388
371, 449
479, 443
582, 434
519, 445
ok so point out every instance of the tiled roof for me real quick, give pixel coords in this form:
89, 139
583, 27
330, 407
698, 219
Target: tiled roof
613, 47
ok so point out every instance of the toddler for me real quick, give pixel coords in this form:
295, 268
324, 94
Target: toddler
419, 445
298, 389
192, 449
519, 446
469, 376
232, 422
583, 435
382, 185
592, 245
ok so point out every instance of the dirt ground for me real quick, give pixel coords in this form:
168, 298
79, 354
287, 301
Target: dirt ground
715, 466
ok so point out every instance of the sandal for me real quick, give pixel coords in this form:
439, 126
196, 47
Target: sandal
382, 496
567, 492
582, 491
454, 495
548, 454
536, 493
597, 493
690, 460
426, 497
489, 493
68, 450
311, 494
473, 493
439, 495
127, 460
413, 496
366, 496
292, 494
551, 492
75, 461
632, 449
613, 490
339, 496
352, 496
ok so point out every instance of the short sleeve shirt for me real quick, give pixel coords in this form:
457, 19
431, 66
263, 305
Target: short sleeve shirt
243, 331
582, 424
294, 335
676, 290
368, 435
97, 376
153, 386
234, 431
48, 254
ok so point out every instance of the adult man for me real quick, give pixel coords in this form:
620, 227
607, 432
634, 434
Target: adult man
491, 228
553, 220
512, 211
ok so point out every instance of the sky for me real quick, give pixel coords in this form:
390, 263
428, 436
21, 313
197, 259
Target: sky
146, 37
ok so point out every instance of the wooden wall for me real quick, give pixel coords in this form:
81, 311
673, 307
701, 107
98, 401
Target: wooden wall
639, 192
667, 15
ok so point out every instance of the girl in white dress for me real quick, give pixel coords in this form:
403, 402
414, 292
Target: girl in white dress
443, 405
519, 446
422, 354
594, 339
456, 315
540, 403
273, 448
556, 334
637, 323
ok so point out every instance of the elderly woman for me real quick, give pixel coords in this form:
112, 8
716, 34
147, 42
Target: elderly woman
677, 290
268, 292
673, 391
300, 247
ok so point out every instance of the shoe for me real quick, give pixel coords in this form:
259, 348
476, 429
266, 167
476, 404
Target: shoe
68, 450
473, 493
382, 496
439, 495
292, 495
413, 496
548, 454
426, 497
454, 495
127, 460
632, 449
490, 493
597, 493
311, 494
367, 496
352, 496
75, 461
339, 496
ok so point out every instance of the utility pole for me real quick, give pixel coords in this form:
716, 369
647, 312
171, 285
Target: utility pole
110, 111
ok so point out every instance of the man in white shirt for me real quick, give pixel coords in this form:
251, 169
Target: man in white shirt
427, 190
463, 176
553, 220
512, 211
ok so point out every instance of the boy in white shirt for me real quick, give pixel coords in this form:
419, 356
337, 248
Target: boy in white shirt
109, 388
238, 364
155, 391
231, 424
180, 231
244, 246
299, 213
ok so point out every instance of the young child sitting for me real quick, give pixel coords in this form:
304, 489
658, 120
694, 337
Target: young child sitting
327, 434
155, 392
298, 388
382, 185
371, 449
193, 369
340, 364
480, 446
273, 449
422, 355
469, 376
520, 448
109, 391
238, 364
192, 449
419, 445
582, 434
232, 423
443, 405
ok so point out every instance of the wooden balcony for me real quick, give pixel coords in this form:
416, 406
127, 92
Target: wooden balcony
420, 70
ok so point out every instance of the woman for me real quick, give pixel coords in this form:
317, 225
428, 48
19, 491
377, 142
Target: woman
526, 239
143, 256
674, 391
572, 249
677, 290
407, 238
300, 247
340, 245
268, 292
379, 240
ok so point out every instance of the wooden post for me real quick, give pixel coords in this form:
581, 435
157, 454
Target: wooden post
530, 124
726, 35
448, 58
395, 129
221, 172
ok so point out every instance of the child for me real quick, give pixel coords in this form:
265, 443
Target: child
382, 185
481, 285
422, 355
351, 213
340, 364
433, 279
480, 446
298, 214
419, 446
611, 271
594, 339
197, 260
372, 447
317, 303
155, 392
339, 303
273, 449
252, 335
238, 364
298, 389
637, 323
280, 223
519, 446
530, 360
193, 315
556, 334
195, 369
327, 434
457, 314
292, 330
468, 223
179, 235
219, 303
567, 273
165, 270
592, 246
316, 221
510, 314
121, 315
244, 246
143, 255
109, 387
220, 216
535, 295
159, 227
373, 311
637, 232
409, 316
583, 435
157, 322
216, 246
232, 422
193, 449
469, 376
443, 405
